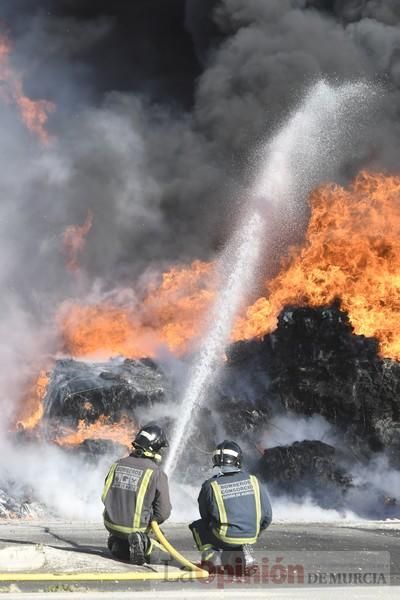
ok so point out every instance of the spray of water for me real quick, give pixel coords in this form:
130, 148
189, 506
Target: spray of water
242, 255
306, 150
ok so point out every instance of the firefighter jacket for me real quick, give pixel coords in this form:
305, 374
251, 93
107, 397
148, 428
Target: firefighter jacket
135, 493
235, 506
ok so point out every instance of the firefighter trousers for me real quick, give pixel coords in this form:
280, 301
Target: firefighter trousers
154, 551
205, 539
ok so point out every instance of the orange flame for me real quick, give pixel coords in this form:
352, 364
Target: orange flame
352, 252
74, 240
170, 315
34, 113
32, 408
122, 432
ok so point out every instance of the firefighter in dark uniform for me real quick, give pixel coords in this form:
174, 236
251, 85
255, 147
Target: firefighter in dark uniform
135, 493
234, 509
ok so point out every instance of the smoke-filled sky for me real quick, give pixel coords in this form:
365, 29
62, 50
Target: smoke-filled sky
161, 104
160, 108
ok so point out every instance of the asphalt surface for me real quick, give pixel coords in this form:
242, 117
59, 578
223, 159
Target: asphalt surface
329, 554
356, 593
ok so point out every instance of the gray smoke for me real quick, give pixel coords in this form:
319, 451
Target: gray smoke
161, 165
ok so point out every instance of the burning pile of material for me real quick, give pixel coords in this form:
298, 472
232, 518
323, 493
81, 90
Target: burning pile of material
351, 252
84, 401
338, 361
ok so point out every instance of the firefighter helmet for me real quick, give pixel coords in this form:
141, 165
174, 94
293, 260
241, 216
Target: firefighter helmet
227, 453
150, 440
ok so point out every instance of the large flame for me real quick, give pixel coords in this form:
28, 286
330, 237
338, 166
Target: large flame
170, 315
34, 113
351, 252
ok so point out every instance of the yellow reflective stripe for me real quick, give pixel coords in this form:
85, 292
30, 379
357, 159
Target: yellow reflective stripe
235, 541
108, 481
210, 555
199, 543
223, 519
122, 529
257, 495
140, 497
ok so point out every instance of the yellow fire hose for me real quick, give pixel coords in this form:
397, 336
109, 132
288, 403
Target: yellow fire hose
194, 572
174, 553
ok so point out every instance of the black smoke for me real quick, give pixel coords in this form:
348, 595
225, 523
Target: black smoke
139, 47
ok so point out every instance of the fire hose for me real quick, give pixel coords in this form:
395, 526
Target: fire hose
174, 553
192, 572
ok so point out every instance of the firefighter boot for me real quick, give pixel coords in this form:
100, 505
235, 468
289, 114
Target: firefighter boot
211, 559
137, 547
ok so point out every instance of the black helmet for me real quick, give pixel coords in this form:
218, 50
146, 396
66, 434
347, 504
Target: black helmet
150, 440
227, 454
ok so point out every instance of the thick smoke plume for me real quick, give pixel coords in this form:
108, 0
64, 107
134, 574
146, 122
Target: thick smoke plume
160, 110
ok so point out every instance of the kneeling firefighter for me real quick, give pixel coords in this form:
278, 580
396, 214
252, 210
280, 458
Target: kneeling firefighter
234, 509
135, 493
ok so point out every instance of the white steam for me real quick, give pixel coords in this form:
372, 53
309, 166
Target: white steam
284, 430
306, 510
64, 484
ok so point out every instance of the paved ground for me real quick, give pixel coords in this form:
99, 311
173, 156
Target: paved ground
356, 593
323, 554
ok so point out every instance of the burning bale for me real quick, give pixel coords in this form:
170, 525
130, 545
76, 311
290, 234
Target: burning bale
94, 406
86, 390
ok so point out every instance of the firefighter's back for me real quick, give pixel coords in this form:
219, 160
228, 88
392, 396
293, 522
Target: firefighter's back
235, 507
129, 493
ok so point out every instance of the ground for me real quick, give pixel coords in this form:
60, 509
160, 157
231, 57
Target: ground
322, 550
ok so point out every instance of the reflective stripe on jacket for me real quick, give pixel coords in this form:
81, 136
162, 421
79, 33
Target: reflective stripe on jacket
135, 492
235, 507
